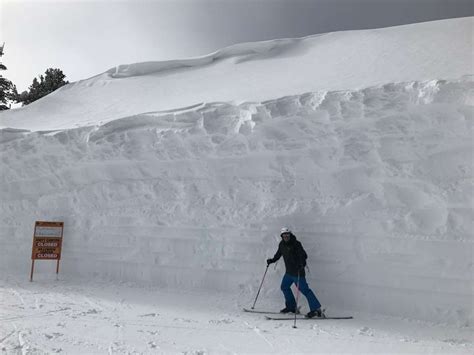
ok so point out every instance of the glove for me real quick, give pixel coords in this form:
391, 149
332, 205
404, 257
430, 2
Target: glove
269, 261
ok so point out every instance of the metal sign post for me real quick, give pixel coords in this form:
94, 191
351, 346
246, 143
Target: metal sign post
47, 243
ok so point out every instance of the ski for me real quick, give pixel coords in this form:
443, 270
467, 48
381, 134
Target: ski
259, 311
305, 318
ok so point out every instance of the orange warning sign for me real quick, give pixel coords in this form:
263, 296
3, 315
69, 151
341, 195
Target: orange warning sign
47, 240
47, 243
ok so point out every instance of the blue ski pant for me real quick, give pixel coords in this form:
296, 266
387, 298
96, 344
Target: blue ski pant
290, 302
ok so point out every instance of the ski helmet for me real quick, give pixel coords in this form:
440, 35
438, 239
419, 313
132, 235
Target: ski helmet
285, 230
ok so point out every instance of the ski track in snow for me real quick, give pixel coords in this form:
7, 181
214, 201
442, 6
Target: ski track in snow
194, 322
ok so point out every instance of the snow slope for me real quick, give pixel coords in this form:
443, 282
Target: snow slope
373, 171
260, 71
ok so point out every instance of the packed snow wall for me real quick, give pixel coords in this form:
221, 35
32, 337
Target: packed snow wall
376, 183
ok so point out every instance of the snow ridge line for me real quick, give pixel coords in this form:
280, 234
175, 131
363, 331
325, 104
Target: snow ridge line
415, 92
247, 50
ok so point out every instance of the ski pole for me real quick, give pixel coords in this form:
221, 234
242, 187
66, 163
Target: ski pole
260, 286
297, 296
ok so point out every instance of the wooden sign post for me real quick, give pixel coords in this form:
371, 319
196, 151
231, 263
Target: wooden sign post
47, 243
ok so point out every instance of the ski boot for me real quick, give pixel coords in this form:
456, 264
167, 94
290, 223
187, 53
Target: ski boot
319, 313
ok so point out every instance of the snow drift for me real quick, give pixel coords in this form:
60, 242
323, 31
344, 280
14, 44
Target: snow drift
375, 181
256, 72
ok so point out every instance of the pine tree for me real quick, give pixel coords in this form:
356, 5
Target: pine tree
7, 89
52, 80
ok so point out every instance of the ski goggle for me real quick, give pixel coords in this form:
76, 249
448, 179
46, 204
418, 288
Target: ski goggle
285, 234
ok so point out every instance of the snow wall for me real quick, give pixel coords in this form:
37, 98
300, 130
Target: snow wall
376, 183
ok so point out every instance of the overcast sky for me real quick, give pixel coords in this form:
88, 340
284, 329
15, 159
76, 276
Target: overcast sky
85, 38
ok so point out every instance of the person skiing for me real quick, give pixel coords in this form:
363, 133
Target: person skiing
295, 261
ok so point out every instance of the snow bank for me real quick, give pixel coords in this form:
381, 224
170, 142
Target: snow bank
376, 183
256, 72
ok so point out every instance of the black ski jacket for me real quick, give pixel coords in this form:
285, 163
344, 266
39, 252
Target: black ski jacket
294, 256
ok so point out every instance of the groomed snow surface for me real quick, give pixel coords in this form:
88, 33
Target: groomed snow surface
170, 215
91, 317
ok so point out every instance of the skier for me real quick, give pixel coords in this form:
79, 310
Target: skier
295, 262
